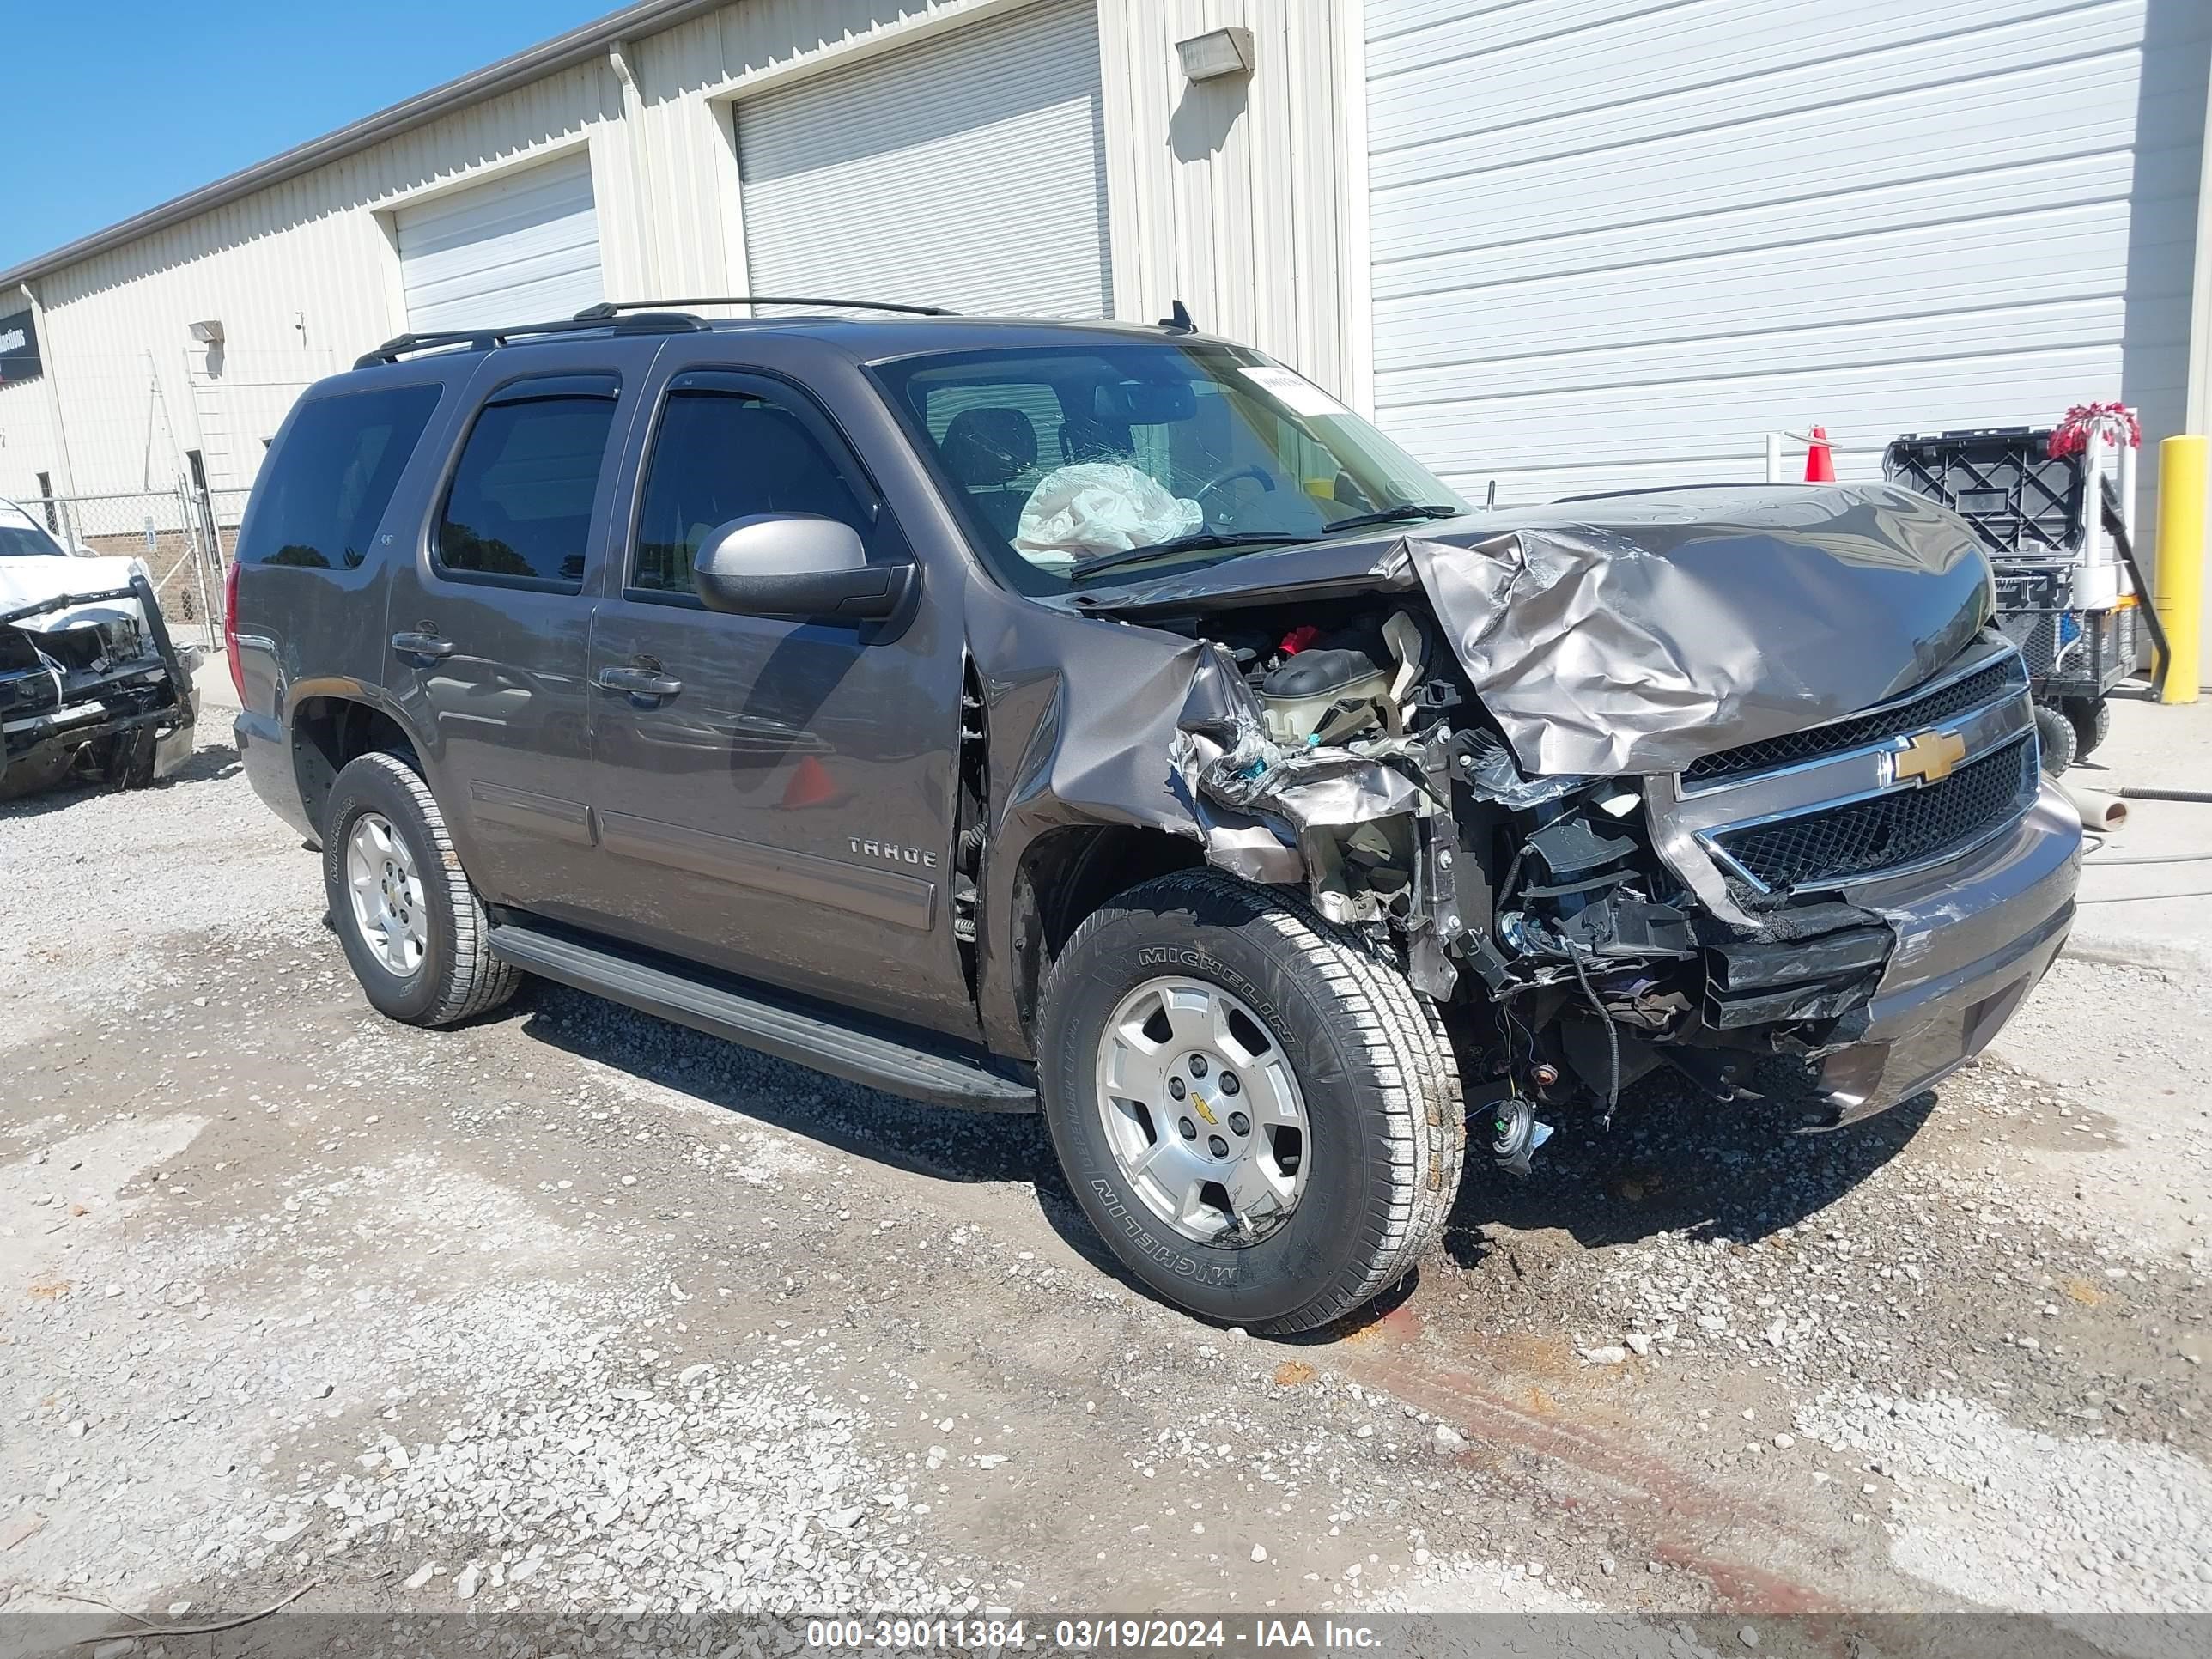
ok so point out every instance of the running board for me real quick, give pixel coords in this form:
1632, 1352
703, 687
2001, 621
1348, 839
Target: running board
784, 1030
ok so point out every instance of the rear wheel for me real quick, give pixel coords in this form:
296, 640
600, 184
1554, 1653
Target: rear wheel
414, 931
2055, 733
1255, 1109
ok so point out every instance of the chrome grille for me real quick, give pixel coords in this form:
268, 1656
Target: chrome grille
1929, 776
1969, 691
1891, 831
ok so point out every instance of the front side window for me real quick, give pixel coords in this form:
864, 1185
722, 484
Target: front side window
519, 509
723, 453
324, 491
1069, 462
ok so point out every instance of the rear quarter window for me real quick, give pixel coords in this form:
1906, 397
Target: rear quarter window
326, 488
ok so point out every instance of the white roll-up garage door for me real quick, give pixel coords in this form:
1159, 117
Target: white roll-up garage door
1615, 242
522, 249
966, 170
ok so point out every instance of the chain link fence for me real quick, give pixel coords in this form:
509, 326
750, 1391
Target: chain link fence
184, 535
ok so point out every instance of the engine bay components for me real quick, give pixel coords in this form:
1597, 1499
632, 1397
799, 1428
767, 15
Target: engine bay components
1514, 1135
1325, 697
1328, 689
1344, 753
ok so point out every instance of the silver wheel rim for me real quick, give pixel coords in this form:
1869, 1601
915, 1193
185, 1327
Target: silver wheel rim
1202, 1112
388, 912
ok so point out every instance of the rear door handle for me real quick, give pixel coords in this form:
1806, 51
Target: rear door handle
422, 645
639, 682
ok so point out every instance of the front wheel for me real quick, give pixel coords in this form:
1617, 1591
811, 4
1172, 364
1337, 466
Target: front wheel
1255, 1110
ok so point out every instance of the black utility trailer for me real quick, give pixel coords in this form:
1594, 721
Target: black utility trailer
2056, 530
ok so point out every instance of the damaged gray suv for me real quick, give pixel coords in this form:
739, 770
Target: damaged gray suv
1102, 720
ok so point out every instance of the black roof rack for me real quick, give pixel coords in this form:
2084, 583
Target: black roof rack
625, 316
608, 309
483, 339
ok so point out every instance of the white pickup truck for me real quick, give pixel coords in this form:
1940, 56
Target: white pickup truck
90, 680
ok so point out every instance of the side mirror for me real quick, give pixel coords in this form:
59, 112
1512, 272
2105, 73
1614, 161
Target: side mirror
798, 566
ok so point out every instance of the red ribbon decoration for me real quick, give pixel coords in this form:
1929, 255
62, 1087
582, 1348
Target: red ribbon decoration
2116, 421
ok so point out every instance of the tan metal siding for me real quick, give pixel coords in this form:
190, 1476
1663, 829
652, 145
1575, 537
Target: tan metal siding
26, 440
315, 250
1230, 196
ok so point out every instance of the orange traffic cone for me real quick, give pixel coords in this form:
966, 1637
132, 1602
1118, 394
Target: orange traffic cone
810, 786
1820, 460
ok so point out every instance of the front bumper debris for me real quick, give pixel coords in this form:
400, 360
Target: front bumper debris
1970, 948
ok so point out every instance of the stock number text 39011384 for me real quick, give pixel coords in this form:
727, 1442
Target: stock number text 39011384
1101, 1635
951, 1635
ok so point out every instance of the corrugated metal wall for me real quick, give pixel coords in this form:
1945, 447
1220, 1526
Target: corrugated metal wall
1615, 241
27, 445
1611, 241
1233, 194
963, 171
303, 277
1229, 195
525, 244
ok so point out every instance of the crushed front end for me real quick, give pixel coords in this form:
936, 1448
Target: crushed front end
1615, 808
91, 681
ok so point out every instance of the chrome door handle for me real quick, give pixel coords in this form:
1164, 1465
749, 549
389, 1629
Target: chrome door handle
638, 682
422, 645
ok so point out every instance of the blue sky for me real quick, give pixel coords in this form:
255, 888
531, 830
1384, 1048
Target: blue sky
119, 103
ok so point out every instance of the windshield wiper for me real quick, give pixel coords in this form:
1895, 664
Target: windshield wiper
1196, 540
1392, 515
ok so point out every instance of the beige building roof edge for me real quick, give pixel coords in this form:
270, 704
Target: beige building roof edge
532, 63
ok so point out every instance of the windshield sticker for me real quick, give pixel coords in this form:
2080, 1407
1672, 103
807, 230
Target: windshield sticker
1296, 392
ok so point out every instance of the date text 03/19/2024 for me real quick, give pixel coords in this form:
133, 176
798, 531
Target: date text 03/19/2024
1090, 1635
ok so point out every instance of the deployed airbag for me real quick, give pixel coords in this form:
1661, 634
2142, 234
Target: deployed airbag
1099, 507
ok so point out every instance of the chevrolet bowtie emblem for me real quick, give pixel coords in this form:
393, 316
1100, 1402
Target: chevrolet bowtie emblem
1929, 757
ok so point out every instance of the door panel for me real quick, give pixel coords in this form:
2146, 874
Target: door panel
786, 811
490, 622
805, 878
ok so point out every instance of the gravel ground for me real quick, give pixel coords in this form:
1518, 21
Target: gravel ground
575, 1312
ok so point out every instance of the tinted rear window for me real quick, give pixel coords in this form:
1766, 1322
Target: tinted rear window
325, 491
521, 500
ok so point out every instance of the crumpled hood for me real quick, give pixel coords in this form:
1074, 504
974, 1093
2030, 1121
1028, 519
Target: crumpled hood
32, 577
1633, 633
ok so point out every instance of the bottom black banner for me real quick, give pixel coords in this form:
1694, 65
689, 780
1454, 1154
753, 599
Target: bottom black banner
283, 1635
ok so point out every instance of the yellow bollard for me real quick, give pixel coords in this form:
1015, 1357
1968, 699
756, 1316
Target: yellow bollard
2183, 474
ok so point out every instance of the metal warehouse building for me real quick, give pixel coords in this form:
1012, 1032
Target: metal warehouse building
1561, 244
